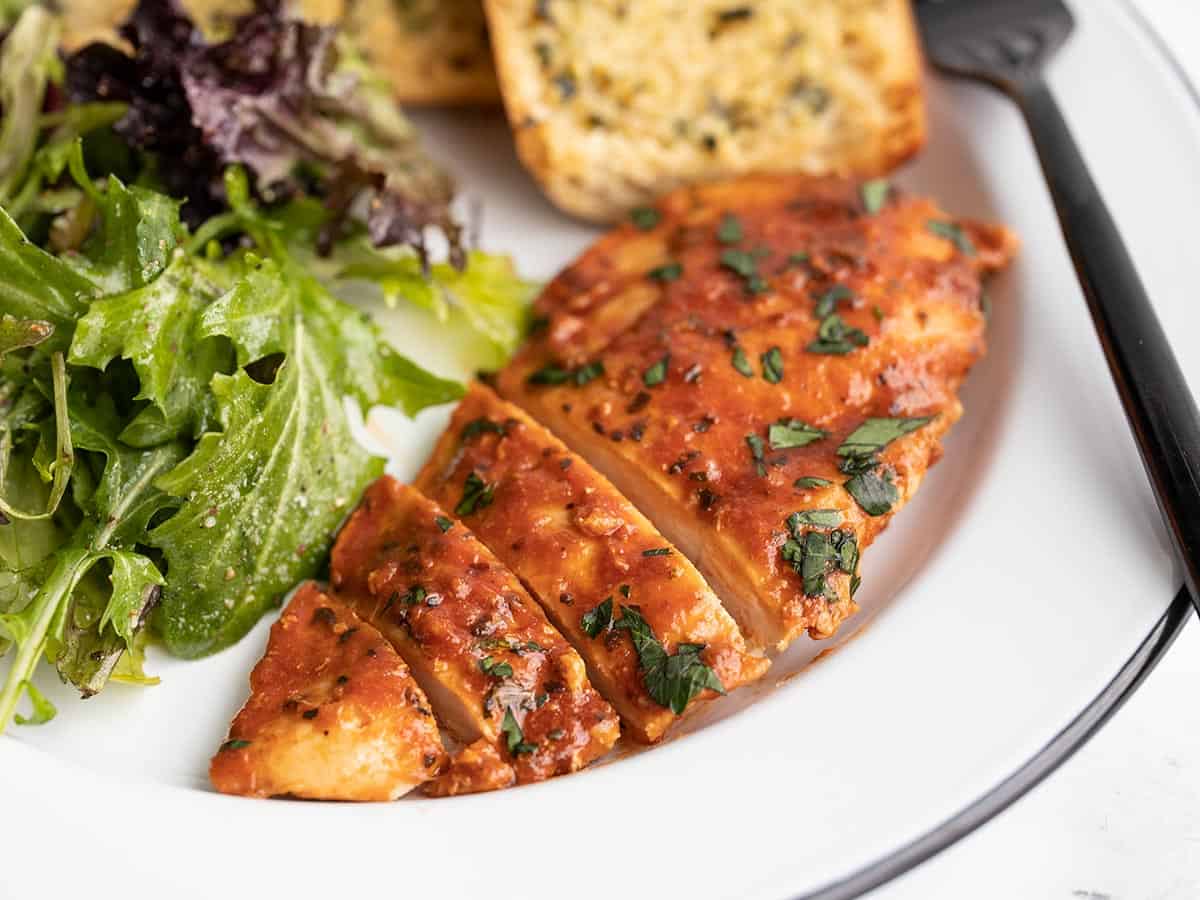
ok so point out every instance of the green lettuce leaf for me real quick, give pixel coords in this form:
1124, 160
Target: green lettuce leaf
28, 60
487, 294
264, 496
154, 326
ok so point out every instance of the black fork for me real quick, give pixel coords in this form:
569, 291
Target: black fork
1006, 43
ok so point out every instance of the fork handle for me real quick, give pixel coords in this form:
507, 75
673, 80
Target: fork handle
1153, 391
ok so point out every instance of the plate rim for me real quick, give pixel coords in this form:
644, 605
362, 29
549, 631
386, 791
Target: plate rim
1081, 729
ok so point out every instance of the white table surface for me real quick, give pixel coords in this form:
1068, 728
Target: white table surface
1121, 819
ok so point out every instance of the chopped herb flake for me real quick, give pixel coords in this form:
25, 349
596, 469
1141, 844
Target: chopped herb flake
772, 365
236, 744
875, 493
657, 373
670, 680
730, 229
495, 668
755, 443
828, 301
666, 272
477, 494
599, 619
875, 194
645, 218
874, 434
954, 233
554, 374
809, 481
741, 363
482, 425
788, 433
443, 523
513, 736
836, 338
657, 551
818, 518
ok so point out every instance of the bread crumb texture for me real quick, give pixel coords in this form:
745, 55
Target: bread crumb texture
615, 102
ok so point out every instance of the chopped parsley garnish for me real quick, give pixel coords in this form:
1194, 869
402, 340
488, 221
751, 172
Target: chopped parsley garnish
657, 551
952, 232
797, 258
730, 229
809, 481
741, 362
645, 218
818, 518
836, 338
772, 365
477, 494
482, 425
814, 555
657, 373
554, 374
877, 312
443, 523
874, 434
599, 619
236, 744
874, 492
495, 668
746, 265
788, 433
513, 736
875, 194
670, 680
828, 301
666, 272
755, 443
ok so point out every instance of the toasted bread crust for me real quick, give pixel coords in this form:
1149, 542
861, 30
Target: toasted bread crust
864, 74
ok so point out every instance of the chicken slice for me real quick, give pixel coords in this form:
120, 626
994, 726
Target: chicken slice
653, 634
333, 713
766, 367
499, 676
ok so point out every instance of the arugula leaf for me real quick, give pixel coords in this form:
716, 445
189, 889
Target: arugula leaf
789, 433
264, 495
875, 493
670, 680
154, 327
513, 736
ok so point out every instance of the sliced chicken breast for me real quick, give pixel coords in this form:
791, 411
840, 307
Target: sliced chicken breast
766, 368
501, 679
656, 639
333, 713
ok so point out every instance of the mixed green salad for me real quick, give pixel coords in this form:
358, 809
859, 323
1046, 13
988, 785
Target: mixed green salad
180, 216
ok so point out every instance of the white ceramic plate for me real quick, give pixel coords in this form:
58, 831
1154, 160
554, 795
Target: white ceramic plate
996, 611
